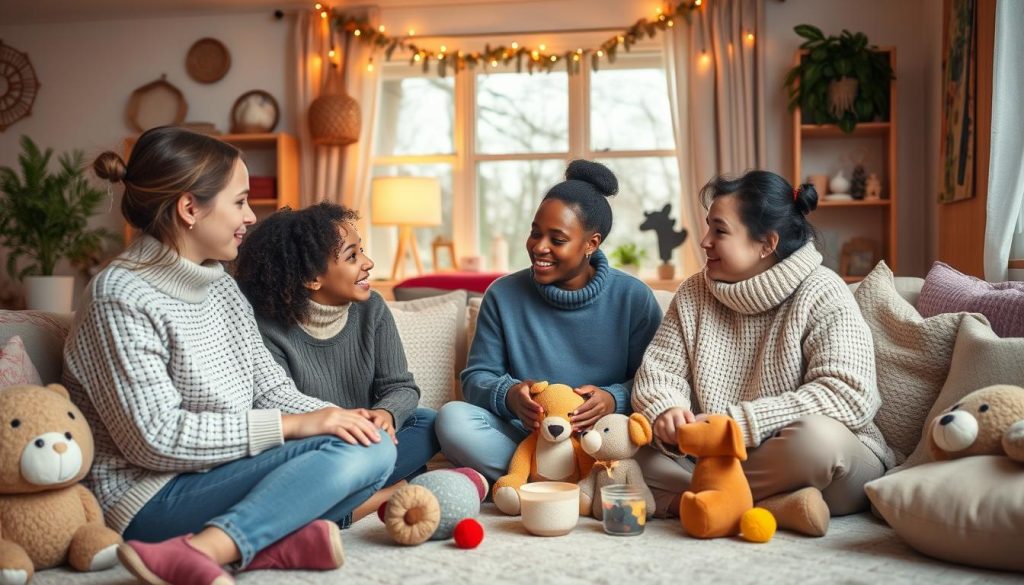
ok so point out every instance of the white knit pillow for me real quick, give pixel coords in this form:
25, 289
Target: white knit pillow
430, 330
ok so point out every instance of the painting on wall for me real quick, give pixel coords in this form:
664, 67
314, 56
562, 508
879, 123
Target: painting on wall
959, 82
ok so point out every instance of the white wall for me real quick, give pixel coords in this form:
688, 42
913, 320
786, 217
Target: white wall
914, 28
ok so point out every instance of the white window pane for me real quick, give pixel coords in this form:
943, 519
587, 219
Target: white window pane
522, 113
384, 239
629, 107
645, 184
508, 195
416, 115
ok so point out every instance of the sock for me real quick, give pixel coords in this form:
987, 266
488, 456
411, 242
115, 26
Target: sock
803, 511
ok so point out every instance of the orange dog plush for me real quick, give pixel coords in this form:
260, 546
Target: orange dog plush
720, 493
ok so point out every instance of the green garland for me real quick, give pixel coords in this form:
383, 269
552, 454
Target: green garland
534, 59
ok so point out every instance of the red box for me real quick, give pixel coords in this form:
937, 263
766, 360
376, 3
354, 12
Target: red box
262, 187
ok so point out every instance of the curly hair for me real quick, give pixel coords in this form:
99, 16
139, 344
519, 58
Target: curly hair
285, 252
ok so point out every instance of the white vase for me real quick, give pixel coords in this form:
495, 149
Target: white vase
839, 184
49, 293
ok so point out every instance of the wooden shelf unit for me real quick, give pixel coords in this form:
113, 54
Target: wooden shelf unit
880, 133
281, 147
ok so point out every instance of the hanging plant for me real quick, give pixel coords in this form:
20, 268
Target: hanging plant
841, 80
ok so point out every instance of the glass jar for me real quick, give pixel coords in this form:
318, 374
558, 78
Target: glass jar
623, 510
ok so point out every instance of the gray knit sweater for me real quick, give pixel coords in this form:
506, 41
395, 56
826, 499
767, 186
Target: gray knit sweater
168, 366
362, 365
768, 350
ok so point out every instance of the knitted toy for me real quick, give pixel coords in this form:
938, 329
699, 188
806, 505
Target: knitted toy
550, 453
433, 504
612, 442
46, 517
989, 421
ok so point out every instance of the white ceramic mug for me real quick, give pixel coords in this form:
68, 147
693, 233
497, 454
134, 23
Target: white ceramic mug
550, 508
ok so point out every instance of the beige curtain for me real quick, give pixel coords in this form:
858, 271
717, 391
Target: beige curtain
714, 69
334, 173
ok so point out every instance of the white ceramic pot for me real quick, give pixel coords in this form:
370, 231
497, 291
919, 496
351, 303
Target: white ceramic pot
49, 293
550, 508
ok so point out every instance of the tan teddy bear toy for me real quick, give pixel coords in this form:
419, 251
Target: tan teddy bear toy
989, 421
46, 517
550, 453
612, 442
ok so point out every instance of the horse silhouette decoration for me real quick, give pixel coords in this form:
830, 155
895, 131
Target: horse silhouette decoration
664, 227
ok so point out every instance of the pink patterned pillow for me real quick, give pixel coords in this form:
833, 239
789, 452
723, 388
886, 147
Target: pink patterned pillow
947, 290
15, 366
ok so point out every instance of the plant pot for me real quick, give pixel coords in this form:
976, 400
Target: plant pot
49, 293
666, 271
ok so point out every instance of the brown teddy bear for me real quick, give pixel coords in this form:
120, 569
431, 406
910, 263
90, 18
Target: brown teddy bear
550, 453
46, 517
989, 421
612, 442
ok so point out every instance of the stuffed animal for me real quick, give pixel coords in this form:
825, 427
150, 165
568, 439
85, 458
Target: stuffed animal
612, 442
550, 453
989, 421
433, 504
719, 493
46, 517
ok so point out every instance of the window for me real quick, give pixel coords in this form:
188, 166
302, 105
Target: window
498, 140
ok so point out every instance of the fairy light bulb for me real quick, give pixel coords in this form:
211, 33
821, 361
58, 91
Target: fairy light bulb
705, 59
543, 47
369, 66
554, 58
696, 2
494, 63
622, 39
318, 6
417, 57
412, 32
600, 53
535, 55
750, 37
575, 57
357, 32
444, 49
330, 53
515, 45
380, 28
323, 14
670, 23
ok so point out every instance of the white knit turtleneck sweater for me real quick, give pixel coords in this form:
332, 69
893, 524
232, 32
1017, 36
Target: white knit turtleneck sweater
768, 350
325, 321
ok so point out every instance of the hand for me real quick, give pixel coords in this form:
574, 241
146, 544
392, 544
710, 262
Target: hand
598, 403
519, 401
668, 422
385, 421
352, 426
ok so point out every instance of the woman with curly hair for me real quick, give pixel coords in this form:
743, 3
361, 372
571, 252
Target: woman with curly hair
307, 277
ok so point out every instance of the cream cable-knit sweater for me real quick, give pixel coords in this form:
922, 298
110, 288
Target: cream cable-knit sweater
768, 350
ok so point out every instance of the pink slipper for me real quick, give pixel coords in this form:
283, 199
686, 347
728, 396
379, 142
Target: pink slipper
314, 547
171, 561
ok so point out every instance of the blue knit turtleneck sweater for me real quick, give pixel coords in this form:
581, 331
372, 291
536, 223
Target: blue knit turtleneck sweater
526, 331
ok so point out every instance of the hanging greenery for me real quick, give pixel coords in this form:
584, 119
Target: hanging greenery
448, 59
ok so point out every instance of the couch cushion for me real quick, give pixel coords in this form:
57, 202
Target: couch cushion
43, 335
947, 290
433, 335
912, 356
15, 366
967, 510
980, 358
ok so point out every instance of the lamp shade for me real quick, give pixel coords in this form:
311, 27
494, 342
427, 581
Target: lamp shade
411, 201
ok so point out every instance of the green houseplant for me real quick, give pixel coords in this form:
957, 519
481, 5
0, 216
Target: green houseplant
44, 218
628, 257
841, 80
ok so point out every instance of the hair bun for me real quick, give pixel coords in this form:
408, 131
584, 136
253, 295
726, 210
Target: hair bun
806, 198
595, 173
110, 166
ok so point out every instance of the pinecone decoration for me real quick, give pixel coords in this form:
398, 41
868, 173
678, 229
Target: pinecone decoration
858, 182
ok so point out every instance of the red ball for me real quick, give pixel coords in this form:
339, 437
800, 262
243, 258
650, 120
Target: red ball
381, 510
468, 533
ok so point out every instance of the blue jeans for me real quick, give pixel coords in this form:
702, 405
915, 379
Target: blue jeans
417, 443
475, 437
259, 500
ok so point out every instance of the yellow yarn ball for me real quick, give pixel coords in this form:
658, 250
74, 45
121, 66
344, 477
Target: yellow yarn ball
757, 525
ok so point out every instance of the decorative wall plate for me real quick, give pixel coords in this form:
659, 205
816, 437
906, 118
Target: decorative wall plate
157, 103
18, 85
208, 60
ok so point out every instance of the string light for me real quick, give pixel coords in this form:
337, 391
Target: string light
417, 57
600, 53
704, 57
494, 63
380, 28
412, 32
554, 58
330, 53
515, 45
750, 37
579, 51
357, 32
696, 2
444, 49
622, 39
670, 23
575, 57
318, 6
535, 55
369, 66
323, 14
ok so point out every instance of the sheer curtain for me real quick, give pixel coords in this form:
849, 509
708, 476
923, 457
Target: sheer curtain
340, 174
714, 67
1004, 224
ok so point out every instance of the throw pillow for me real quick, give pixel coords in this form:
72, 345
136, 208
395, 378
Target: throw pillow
980, 358
433, 334
912, 356
15, 366
966, 510
947, 290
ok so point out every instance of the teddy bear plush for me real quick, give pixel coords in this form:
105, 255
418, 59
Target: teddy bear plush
433, 504
612, 442
989, 421
550, 453
46, 517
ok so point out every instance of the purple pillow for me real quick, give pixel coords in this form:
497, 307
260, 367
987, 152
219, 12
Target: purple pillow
947, 290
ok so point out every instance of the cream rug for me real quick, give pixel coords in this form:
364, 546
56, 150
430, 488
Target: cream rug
858, 549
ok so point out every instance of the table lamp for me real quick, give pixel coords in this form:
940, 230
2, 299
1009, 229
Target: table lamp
407, 202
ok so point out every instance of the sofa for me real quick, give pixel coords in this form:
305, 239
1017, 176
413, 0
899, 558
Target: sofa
436, 332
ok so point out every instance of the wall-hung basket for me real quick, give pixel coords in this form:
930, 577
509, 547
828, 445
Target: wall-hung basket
158, 103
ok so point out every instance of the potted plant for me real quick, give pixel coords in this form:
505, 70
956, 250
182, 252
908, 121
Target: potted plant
841, 80
627, 257
44, 218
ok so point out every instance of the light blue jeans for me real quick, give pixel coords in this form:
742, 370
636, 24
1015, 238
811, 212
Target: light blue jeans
259, 500
475, 437
417, 443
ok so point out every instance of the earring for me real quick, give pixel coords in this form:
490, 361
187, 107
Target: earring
588, 254
315, 286
191, 225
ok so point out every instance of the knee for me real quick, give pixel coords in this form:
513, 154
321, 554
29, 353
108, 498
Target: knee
373, 461
814, 438
425, 418
453, 421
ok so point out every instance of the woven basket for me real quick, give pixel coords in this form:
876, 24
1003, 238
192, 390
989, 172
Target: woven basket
335, 120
